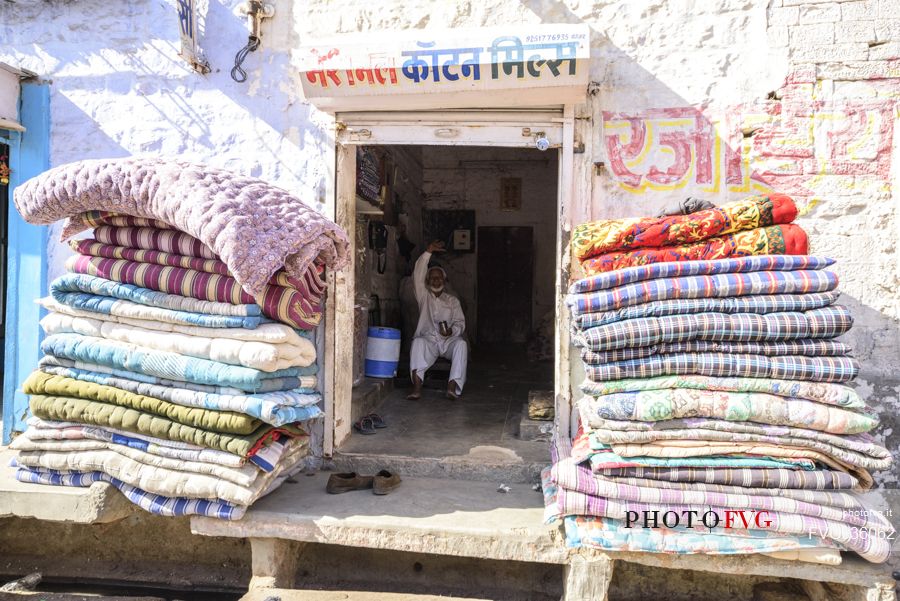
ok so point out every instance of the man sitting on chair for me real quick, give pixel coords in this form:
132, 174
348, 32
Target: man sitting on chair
440, 328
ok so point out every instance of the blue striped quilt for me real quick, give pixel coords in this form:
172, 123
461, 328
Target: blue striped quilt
703, 286
619, 277
162, 364
98, 295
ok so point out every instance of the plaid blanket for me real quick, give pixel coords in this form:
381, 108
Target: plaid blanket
827, 322
703, 286
792, 367
242, 475
773, 240
809, 348
773, 303
578, 478
610, 535
597, 237
708, 442
779, 479
611, 430
156, 504
674, 269
675, 403
278, 302
830, 394
158, 479
830, 498
872, 545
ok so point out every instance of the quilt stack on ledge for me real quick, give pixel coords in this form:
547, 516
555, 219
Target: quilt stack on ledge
178, 359
716, 417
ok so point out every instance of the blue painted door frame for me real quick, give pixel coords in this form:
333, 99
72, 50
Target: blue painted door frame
29, 155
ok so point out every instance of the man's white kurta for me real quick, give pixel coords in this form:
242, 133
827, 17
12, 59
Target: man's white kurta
428, 343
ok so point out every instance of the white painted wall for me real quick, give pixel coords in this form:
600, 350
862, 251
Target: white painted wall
813, 85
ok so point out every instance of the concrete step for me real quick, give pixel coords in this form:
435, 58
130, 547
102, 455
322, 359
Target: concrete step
483, 464
100, 503
283, 594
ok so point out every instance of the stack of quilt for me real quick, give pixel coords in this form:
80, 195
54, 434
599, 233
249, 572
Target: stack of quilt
757, 225
179, 358
716, 417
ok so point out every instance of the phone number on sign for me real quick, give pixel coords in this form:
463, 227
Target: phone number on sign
552, 37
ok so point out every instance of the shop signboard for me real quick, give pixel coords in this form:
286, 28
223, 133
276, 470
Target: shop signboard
516, 65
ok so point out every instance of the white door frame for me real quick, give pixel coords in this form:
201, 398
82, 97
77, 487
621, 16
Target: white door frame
514, 128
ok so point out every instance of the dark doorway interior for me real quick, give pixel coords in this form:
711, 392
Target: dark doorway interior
505, 274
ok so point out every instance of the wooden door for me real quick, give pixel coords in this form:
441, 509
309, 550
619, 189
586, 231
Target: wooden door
505, 274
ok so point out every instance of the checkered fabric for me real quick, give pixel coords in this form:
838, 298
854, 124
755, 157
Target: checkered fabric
809, 348
612, 279
827, 322
791, 367
704, 286
773, 303
158, 504
747, 477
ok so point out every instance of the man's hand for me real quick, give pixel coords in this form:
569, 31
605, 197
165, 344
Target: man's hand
446, 330
436, 247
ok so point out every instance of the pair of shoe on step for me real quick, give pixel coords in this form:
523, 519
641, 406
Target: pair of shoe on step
381, 483
370, 423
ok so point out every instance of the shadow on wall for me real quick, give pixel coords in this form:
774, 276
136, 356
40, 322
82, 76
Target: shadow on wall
69, 116
120, 88
832, 153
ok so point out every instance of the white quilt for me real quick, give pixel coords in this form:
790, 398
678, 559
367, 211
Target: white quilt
242, 476
159, 480
268, 348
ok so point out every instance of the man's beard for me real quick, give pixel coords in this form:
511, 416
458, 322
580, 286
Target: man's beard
436, 289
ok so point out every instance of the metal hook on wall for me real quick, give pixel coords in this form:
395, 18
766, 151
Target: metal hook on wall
255, 11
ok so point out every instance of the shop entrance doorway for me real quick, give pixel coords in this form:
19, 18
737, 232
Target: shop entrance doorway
488, 185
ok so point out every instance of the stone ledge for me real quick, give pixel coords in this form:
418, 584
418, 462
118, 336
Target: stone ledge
283, 594
472, 519
424, 515
101, 503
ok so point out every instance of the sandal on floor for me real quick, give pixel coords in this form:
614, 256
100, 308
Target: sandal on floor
377, 420
365, 426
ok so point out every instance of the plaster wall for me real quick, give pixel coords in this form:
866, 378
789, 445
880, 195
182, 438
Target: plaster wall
717, 99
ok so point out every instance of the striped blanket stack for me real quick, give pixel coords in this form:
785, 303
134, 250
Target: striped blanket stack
716, 417
164, 376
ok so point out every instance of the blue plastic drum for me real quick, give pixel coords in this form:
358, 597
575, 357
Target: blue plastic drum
382, 352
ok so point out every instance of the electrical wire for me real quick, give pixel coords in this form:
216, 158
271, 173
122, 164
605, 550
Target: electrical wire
237, 73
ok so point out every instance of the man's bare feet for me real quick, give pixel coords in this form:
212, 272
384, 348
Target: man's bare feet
416, 393
451, 390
